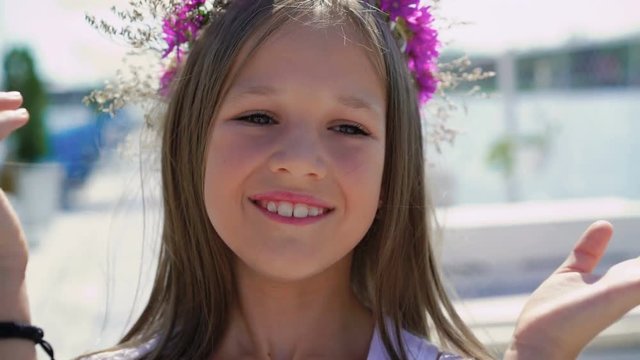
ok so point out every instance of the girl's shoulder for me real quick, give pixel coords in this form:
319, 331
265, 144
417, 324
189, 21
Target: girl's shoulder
129, 353
417, 349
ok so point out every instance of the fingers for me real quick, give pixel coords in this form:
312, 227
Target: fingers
11, 116
11, 120
589, 249
10, 100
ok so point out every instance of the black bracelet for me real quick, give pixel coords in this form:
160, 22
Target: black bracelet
12, 330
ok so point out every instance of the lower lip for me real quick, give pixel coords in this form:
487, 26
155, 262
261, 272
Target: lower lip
290, 220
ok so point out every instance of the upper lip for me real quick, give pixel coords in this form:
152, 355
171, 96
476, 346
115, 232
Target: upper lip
292, 197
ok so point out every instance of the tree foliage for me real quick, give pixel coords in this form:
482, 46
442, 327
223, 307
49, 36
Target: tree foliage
31, 143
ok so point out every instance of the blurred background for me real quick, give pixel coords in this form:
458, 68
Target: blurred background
548, 147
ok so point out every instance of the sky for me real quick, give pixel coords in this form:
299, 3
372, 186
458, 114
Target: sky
500, 25
73, 54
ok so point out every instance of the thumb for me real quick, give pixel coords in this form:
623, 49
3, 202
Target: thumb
589, 249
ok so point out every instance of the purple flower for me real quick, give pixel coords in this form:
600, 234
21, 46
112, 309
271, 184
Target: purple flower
422, 49
421, 41
179, 29
183, 25
427, 84
399, 8
419, 18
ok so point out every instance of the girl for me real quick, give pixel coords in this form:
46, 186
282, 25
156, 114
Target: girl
296, 221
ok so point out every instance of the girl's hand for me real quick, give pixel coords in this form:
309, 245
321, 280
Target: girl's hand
13, 247
573, 305
14, 304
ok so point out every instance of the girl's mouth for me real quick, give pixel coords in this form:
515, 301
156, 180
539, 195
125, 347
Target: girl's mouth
291, 213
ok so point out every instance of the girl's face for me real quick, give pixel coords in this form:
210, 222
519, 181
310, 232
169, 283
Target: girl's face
295, 155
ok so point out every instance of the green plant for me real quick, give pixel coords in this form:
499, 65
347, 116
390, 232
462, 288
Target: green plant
30, 141
502, 155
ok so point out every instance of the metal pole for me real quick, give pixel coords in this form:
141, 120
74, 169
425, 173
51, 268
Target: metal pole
506, 73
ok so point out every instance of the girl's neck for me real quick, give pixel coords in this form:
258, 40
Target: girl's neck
315, 317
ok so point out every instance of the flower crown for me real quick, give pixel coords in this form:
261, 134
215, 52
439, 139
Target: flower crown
410, 21
165, 30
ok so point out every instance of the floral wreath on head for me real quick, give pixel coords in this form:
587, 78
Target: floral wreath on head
177, 24
411, 21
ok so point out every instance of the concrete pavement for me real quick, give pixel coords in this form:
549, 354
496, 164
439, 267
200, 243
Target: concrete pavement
92, 269
91, 263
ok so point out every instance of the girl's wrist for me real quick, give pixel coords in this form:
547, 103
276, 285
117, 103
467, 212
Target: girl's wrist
14, 299
15, 307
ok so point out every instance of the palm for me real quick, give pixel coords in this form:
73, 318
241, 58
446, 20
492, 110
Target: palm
573, 305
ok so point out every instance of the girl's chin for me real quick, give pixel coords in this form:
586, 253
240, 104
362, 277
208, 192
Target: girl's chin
288, 270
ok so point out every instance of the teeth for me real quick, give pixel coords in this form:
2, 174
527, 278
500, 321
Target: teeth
300, 211
287, 209
314, 211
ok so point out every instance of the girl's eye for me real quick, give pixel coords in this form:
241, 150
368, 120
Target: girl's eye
258, 119
351, 129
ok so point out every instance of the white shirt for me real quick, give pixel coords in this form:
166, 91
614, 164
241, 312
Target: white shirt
417, 349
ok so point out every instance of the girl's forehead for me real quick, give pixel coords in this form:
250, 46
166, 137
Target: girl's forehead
326, 57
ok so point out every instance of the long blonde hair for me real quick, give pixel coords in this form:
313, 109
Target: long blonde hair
394, 271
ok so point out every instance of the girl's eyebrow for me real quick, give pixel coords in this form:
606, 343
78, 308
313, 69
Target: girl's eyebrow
347, 100
358, 103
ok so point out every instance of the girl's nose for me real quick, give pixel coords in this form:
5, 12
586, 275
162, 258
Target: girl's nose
299, 153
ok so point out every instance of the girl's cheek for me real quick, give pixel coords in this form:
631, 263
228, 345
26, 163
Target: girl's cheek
356, 158
238, 146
